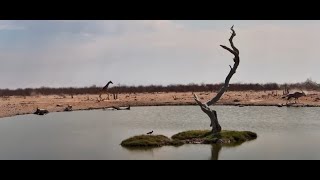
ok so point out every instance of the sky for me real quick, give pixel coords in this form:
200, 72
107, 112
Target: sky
74, 53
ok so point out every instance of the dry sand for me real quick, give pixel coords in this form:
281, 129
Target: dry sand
14, 105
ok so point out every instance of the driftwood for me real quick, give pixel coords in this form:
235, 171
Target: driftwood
41, 111
121, 108
205, 106
69, 108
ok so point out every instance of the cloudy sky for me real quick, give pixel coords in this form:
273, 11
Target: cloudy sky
84, 53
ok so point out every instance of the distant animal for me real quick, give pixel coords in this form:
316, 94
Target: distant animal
294, 96
107, 85
150, 132
104, 89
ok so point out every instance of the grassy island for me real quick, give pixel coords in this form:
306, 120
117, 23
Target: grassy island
190, 137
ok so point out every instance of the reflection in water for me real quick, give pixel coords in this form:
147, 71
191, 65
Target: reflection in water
145, 150
154, 152
216, 148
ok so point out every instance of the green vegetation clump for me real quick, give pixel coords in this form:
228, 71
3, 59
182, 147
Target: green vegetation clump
234, 136
190, 137
192, 134
150, 141
206, 137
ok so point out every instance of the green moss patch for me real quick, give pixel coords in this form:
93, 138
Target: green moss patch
150, 141
190, 137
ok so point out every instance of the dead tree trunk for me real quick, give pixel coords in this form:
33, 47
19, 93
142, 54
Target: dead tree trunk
216, 128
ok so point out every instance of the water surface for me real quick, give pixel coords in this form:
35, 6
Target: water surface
283, 133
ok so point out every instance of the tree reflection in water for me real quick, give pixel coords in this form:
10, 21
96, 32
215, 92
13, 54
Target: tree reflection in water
216, 148
138, 150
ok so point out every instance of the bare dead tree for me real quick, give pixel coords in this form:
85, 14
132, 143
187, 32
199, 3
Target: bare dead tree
216, 128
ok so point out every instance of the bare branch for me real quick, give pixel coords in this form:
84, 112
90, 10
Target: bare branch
203, 107
233, 69
228, 49
216, 128
231, 41
197, 99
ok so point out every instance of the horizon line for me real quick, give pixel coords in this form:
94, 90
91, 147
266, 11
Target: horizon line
173, 84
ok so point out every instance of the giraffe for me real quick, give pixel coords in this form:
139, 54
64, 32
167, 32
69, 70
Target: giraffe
104, 89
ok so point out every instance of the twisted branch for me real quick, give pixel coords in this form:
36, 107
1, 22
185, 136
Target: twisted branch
233, 69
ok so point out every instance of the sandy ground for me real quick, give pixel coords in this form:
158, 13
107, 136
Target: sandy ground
10, 106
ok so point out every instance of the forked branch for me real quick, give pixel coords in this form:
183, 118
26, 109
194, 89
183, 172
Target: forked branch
233, 70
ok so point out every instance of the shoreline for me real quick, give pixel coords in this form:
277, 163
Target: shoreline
14, 106
156, 105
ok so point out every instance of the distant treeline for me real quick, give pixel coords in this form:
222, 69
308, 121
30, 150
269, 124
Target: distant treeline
307, 85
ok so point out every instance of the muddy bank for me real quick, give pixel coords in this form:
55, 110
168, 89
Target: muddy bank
11, 106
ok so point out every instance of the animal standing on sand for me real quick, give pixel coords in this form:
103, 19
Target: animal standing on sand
295, 95
149, 133
104, 89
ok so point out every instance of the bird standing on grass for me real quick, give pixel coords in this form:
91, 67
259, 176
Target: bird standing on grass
150, 132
